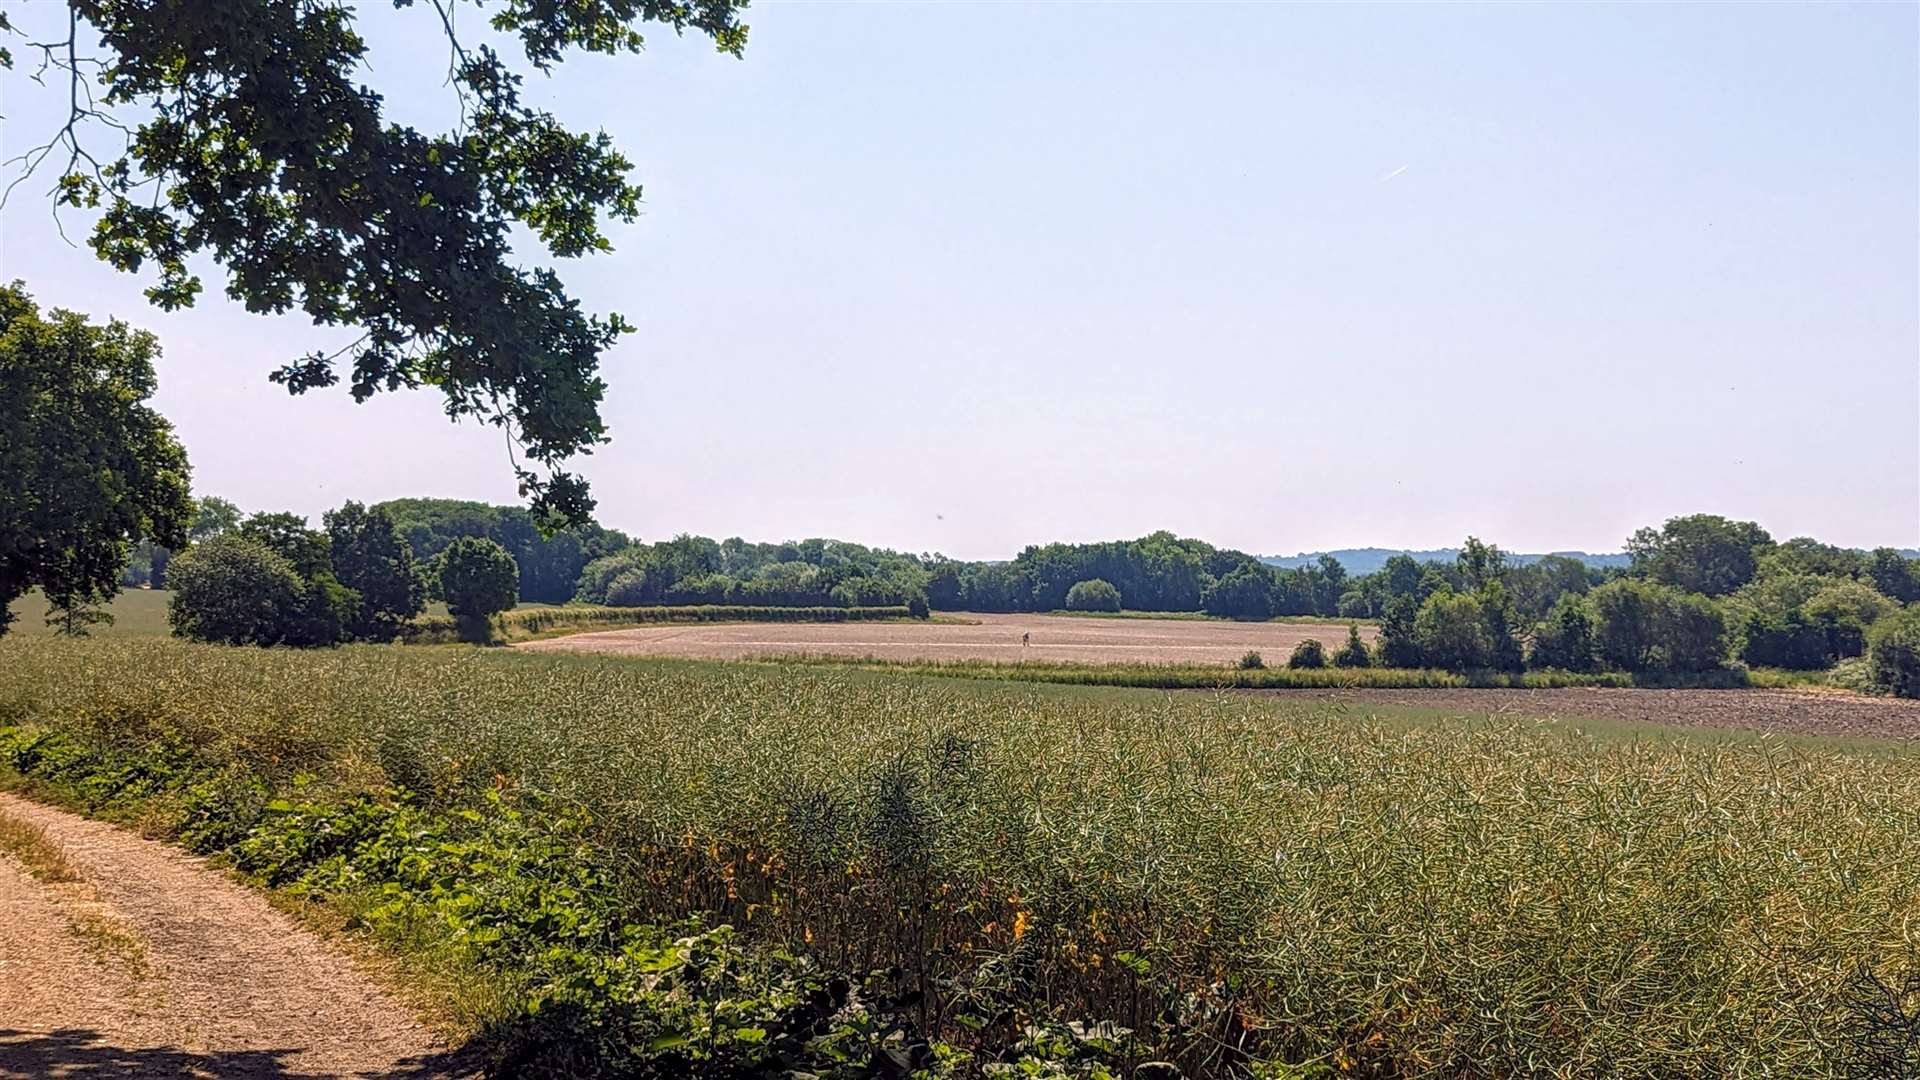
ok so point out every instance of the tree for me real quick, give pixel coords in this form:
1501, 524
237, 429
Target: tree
1701, 553
368, 556
1565, 639
1452, 631
288, 175
1242, 594
87, 468
1480, 564
1642, 626
1308, 654
212, 515
234, 591
1842, 612
479, 580
1093, 595
1399, 641
1354, 653
1893, 654
77, 619
328, 608
1894, 574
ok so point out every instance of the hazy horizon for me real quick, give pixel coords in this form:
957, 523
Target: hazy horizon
962, 278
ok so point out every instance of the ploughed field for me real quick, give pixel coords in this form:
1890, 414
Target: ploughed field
1051, 638
1799, 712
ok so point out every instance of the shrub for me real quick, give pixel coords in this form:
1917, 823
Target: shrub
917, 607
233, 591
1308, 654
1642, 626
1565, 639
1452, 632
479, 579
627, 590
1354, 653
1893, 653
1251, 661
1095, 594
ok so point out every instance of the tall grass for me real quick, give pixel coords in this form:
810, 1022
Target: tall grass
1450, 898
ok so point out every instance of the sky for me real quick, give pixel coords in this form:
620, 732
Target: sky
962, 277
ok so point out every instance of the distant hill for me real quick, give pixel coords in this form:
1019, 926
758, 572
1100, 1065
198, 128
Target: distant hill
1367, 560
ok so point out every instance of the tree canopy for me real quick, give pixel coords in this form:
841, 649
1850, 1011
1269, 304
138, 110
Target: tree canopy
251, 140
87, 468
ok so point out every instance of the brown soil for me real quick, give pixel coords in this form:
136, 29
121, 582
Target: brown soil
223, 985
993, 637
1803, 712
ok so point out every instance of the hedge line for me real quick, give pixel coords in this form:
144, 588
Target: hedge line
530, 622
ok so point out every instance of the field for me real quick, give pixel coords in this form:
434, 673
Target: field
1802, 712
136, 613
1386, 892
988, 638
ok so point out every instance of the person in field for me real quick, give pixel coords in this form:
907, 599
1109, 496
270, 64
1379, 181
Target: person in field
1026, 639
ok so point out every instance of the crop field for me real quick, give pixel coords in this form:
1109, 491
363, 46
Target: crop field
1231, 878
1801, 712
984, 637
136, 613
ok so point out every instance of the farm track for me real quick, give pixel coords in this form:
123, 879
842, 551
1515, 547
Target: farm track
1053, 638
223, 985
1798, 712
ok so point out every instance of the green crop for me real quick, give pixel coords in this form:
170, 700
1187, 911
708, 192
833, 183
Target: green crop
1222, 874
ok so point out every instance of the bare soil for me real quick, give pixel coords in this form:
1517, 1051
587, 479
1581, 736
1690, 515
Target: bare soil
224, 985
993, 638
1801, 712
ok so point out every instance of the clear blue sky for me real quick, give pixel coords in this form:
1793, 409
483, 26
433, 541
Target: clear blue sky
966, 276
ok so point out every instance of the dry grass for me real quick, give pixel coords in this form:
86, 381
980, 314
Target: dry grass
102, 930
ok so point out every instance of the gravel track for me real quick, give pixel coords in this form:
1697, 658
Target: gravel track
229, 987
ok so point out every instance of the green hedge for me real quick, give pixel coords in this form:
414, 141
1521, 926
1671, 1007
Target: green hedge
529, 622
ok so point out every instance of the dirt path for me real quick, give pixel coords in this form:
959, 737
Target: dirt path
218, 983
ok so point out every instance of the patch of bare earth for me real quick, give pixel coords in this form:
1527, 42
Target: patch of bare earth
210, 980
1049, 638
1800, 712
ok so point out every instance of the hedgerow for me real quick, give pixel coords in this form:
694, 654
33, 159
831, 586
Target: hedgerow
526, 622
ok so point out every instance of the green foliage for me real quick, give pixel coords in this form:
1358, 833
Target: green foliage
1893, 654
1640, 626
234, 591
478, 579
77, 619
1452, 632
1243, 593
691, 570
990, 842
1894, 575
1565, 640
1701, 553
289, 175
1399, 637
1308, 654
87, 468
1093, 595
369, 557
917, 608
1354, 654
1251, 661
550, 559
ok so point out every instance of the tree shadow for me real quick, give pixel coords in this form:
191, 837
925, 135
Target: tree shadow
82, 1054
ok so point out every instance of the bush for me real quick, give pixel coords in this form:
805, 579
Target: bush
234, 591
1565, 640
1308, 654
1893, 653
1096, 594
917, 607
1642, 626
1251, 661
1354, 653
479, 579
1452, 632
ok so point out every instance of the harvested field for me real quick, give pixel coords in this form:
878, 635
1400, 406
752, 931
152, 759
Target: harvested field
1800, 712
993, 637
